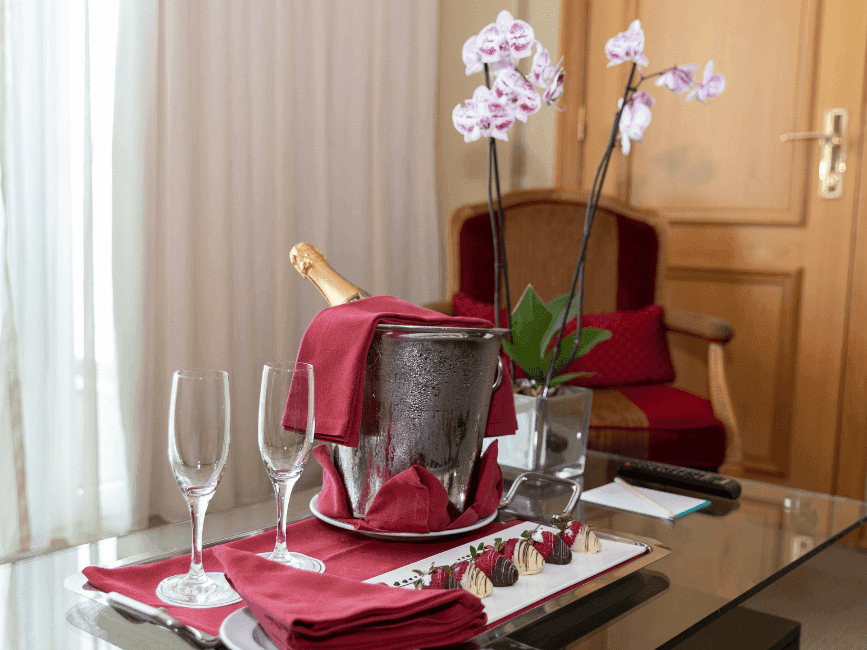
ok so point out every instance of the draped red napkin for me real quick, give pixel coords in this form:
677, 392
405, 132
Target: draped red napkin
336, 344
414, 501
301, 610
346, 554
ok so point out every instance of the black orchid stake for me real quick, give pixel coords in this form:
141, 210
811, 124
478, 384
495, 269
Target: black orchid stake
501, 267
578, 275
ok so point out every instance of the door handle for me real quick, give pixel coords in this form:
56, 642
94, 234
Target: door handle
832, 164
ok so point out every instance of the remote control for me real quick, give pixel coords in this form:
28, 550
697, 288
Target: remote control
686, 478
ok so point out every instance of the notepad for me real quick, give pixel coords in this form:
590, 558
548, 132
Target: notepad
613, 496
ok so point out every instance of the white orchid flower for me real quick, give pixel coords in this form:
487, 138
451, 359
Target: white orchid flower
518, 93
634, 119
679, 79
627, 46
505, 41
711, 85
485, 115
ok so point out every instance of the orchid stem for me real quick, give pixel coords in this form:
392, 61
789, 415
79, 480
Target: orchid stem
589, 215
494, 230
501, 235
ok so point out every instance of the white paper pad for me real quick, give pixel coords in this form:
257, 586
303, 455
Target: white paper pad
614, 496
529, 589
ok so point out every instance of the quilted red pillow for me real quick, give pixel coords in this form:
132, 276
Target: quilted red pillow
636, 353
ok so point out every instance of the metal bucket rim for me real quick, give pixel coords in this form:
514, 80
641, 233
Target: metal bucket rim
439, 329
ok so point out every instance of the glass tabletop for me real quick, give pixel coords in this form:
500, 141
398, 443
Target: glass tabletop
719, 557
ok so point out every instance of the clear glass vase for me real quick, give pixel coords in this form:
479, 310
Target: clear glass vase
552, 434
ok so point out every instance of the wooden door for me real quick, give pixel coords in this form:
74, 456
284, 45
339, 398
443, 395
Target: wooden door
752, 241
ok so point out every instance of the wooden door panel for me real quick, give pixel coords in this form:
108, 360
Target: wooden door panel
725, 162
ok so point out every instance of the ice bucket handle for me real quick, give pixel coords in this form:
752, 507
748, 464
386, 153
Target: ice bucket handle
499, 379
568, 482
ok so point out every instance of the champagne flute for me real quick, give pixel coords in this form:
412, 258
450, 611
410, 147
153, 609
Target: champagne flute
199, 414
286, 424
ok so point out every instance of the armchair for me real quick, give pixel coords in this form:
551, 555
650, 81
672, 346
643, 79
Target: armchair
641, 418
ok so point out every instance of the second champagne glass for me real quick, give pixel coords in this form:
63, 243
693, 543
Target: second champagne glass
287, 388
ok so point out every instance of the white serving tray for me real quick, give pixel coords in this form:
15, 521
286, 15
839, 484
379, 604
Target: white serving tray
529, 589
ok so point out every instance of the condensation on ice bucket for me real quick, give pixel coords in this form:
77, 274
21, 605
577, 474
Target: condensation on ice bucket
426, 396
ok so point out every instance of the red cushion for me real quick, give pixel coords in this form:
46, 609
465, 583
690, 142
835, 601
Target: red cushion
683, 428
636, 353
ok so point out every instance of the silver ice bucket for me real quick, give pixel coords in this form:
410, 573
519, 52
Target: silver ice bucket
426, 397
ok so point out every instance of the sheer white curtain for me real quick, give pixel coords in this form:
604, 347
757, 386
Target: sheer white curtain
155, 236
267, 123
57, 109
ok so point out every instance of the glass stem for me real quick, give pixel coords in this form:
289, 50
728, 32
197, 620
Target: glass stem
198, 507
282, 490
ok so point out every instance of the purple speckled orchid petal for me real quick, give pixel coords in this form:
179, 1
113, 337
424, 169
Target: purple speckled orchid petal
642, 97
471, 56
466, 121
555, 86
541, 63
492, 44
521, 38
627, 46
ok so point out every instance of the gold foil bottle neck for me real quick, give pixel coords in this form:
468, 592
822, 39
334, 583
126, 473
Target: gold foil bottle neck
313, 265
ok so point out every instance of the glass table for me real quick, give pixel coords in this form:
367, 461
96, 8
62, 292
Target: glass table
719, 558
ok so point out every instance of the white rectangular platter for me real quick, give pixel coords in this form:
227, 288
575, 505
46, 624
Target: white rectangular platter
528, 590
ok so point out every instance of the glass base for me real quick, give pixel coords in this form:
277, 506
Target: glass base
297, 561
216, 592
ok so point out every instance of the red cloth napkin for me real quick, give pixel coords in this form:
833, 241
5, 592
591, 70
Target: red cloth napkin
414, 501
301, 609
336, 344
345, 553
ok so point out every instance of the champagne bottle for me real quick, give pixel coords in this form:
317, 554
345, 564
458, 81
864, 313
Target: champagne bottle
313, 265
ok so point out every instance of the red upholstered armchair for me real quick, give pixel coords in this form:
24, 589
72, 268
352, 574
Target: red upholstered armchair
636, 411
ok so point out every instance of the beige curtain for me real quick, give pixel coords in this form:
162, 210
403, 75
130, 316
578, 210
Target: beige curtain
267, 123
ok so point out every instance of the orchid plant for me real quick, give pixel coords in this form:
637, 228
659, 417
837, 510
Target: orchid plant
492, 112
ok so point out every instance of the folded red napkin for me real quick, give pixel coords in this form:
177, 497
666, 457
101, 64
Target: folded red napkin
414, 501
301, 609
336, 344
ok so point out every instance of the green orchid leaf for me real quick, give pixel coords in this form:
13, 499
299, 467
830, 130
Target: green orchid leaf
527, 359
569, 376
556, 307
590, 336
530, 319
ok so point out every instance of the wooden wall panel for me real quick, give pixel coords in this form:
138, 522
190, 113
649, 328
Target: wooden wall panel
763, 307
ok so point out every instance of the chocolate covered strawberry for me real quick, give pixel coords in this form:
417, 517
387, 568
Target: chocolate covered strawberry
577, 535
522, 554
550, 546
472, 578
496, 566
436, 578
